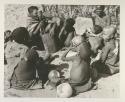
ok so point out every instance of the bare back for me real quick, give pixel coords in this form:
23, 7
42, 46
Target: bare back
80, 71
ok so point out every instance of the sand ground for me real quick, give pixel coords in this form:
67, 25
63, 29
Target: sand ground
107, 87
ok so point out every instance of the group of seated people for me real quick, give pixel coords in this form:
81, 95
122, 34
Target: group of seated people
97, 51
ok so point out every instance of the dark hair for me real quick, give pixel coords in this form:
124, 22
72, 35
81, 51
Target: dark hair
31, 8
70, 21
97, 29
100, 7
20, 35
32, 55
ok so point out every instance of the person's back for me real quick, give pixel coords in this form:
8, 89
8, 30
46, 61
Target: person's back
81, 64
25, 71
67, 32
24, 74
26, 68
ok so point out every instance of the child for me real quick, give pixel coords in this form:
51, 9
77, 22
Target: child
110, 53
67, 32
80, 73
21, 71
100, 18
34, 25
24, 75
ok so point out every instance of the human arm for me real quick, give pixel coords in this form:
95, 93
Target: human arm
38, 28
97, 57
61, 32
68, 39
52, 30
108, 20
93, 16
104, 54
64, 58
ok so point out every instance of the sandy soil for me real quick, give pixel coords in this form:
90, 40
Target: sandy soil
107, 87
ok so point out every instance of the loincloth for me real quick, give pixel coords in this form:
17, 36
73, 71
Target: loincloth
81, 87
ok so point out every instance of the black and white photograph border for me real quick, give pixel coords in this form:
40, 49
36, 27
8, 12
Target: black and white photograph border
85, 23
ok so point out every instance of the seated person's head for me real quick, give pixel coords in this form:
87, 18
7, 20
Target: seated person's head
96, 43
100, 7
69, 23
82, 46
97, 29
109, 32
33, 11
7, 35
20, 35
57, 20
99, 10
31, 56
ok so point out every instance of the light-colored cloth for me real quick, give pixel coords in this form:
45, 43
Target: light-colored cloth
82, 24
